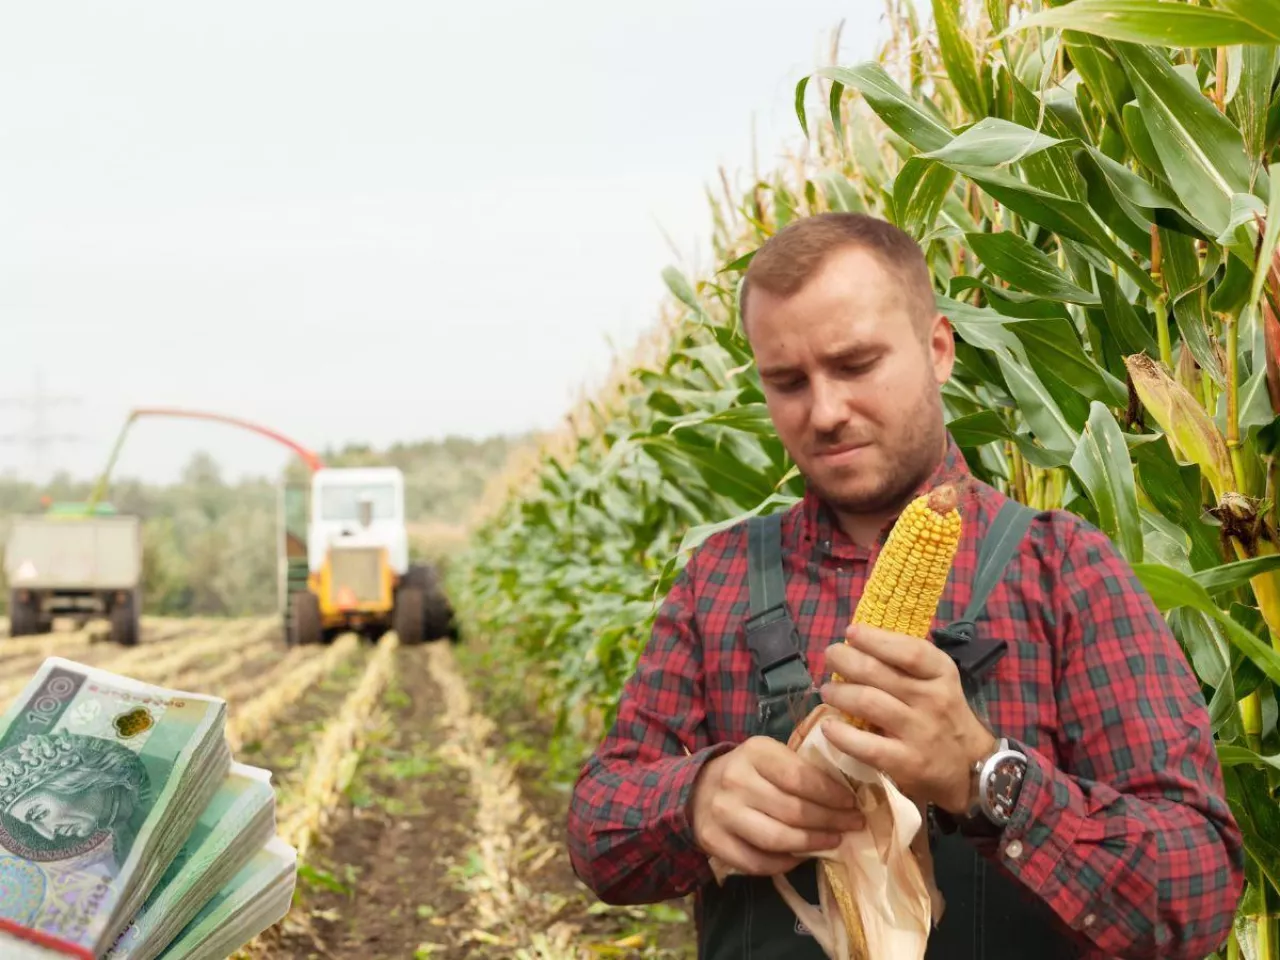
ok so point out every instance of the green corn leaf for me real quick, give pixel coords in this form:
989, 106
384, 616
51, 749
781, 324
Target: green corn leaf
959, 57
682, 289
1130, 223
1142, 21
1054, 345
918, 193
1269, 240
975, 429
1174, 489
1101, 74
1201, 152
1262, 15
1101, 462
685, 460
979, 326
1139, 138
1181, 267
1253, 98
1233, 292
840, 193
1130, 330
1140, 193
992, 142
1038, 407
985, 426
1256, 812
1231, 576
1170, 589
802, 88
1063, 215
1073, 405
1012, 258
900, 112
1233, 755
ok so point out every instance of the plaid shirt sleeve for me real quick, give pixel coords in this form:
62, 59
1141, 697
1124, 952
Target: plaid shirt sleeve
630, 839
1128, 839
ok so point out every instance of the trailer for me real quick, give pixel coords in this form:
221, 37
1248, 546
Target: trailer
72, 565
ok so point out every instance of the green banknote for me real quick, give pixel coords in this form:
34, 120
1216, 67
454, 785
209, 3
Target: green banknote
101, 779
237, 822
255, 898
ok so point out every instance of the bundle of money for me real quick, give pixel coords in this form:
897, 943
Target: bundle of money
125, 823
238, 822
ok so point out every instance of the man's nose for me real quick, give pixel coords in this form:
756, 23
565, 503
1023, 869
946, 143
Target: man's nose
829, 409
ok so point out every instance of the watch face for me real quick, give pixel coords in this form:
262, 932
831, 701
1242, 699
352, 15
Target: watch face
1003, 785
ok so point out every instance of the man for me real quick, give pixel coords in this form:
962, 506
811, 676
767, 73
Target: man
1115, 841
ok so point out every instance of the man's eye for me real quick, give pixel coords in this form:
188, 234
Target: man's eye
36, 814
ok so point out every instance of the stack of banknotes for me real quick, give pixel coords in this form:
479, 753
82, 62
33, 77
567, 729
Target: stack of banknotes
127, 831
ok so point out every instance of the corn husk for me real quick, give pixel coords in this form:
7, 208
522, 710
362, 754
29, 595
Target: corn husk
886, 867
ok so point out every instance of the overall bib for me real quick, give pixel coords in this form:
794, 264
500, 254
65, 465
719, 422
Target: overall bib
987, 916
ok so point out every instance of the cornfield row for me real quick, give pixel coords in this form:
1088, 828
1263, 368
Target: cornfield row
1094, 190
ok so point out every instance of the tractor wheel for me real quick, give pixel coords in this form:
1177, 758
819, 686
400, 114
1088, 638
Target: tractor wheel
304, 626
437, 612
24, 618
407, 618
124, 622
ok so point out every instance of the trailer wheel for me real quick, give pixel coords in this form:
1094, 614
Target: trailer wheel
408, 615
24, 618
305, 626
124, 622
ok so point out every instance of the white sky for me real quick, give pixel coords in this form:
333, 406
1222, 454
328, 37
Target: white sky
381, 220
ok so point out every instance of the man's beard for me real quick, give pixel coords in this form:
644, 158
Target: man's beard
911, 462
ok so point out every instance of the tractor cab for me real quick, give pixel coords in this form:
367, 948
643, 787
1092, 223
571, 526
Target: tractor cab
358, 509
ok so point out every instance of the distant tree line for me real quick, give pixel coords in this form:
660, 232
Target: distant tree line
209, 546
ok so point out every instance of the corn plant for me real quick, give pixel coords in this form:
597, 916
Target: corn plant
1092, 184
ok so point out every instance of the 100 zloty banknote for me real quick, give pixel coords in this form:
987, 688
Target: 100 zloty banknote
101, 777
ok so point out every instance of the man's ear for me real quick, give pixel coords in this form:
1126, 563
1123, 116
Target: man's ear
942, 347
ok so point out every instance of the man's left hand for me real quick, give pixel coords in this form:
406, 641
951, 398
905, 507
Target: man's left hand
928, 737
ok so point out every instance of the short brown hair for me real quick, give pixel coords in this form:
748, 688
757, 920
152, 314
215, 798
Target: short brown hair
789, 258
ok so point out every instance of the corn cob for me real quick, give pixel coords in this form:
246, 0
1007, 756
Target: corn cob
902, 595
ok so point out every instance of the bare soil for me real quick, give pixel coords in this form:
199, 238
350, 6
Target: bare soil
387, 881
380, 884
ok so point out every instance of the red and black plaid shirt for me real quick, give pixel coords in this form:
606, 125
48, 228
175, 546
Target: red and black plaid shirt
1121, 826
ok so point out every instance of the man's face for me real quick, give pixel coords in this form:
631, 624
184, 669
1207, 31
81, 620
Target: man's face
851, 389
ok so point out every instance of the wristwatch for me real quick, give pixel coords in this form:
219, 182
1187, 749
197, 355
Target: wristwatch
995, 782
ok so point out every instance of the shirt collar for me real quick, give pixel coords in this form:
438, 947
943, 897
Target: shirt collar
819, 526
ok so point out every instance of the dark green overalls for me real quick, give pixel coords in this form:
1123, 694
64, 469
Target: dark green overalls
987, 916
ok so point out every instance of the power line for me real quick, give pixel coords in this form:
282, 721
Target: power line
40, 435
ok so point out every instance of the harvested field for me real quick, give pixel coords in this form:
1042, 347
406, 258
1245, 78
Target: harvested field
421, 831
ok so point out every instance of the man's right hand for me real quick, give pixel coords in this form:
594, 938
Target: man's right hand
762, 810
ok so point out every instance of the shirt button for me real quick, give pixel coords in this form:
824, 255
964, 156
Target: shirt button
1014, 849
1088, 921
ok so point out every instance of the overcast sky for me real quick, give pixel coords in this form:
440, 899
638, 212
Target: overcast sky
369, 221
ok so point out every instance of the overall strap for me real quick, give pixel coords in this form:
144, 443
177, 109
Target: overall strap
771, 634
975, 656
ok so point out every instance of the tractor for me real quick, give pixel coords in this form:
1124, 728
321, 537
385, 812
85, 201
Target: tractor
343, 549
349, 569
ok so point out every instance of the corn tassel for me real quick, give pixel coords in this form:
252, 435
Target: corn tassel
902, 595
